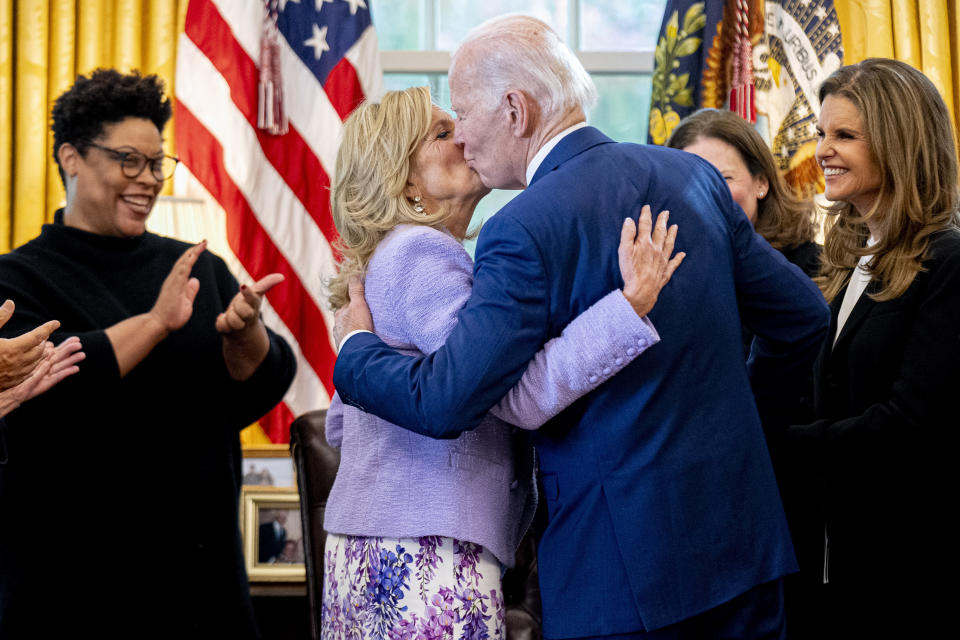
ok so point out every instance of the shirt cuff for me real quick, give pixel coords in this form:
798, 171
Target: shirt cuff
350, 335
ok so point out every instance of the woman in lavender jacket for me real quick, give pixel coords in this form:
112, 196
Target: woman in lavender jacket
421, 528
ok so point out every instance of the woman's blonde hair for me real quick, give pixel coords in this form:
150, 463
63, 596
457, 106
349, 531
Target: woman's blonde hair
378, 143
910, 138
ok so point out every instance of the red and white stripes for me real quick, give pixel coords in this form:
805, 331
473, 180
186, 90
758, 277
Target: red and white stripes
273, 189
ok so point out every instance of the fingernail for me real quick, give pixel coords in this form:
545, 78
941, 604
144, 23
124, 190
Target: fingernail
243, 287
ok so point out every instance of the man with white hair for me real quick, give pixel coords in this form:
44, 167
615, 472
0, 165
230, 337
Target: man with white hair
664, 515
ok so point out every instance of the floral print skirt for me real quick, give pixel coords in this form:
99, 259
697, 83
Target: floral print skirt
406, 588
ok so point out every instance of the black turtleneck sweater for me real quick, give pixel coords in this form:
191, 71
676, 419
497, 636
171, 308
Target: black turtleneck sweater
118, 497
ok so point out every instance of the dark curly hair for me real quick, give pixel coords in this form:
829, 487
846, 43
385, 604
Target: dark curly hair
106, 97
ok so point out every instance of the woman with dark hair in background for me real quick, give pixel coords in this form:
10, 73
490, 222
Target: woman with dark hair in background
871, 481
120, 547
787, 222
739, 153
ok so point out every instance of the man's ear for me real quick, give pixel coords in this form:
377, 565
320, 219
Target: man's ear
70, 159
522, 111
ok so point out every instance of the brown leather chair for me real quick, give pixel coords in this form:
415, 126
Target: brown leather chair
521, 593
317, 463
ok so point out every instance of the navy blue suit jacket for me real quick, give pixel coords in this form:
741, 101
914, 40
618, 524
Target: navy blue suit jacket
661, 497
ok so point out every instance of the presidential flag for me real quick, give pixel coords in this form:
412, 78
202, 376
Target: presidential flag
764, 59
800, 47
262, 90
684, 75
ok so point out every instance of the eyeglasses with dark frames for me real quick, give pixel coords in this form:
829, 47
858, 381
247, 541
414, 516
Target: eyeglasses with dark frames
132, 163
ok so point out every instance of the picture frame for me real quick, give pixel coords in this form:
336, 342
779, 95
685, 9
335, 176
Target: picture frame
268, 465
272, 534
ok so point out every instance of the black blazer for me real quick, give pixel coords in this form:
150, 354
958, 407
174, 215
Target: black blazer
872, 469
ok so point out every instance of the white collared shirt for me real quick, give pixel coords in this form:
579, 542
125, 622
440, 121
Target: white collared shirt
855, 288
350, 335
547, 148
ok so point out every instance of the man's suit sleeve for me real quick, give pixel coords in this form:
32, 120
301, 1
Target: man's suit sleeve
783, 308
498, 331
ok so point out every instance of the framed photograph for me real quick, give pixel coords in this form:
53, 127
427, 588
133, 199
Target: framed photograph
272, 535
268, 466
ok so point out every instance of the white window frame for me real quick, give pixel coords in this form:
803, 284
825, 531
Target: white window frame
431, 60
624, 62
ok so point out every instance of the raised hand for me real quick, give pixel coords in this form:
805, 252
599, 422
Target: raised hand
20, 356
174, 304
134, 338
245, 339
645, 259
243, 313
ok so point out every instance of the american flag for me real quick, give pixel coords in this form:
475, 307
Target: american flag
274, 189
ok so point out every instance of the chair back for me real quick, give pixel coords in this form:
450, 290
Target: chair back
521, 586
316, 463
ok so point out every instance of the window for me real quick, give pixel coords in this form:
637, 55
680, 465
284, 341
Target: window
614, 39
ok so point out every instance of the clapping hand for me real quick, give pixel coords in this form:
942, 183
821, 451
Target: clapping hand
174, 304
243, 313
56, 363
20, 356
245, 340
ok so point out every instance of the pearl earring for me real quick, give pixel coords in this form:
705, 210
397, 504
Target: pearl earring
417, 206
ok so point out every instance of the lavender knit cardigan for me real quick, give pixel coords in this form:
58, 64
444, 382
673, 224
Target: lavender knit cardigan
480, 486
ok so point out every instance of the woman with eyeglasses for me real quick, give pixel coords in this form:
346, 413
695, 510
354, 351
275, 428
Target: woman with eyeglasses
119, 495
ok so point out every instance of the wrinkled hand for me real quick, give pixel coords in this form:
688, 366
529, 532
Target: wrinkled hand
174, 304
20, 356
645, 261
355, 316
55, 365
61, 364
243, 313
